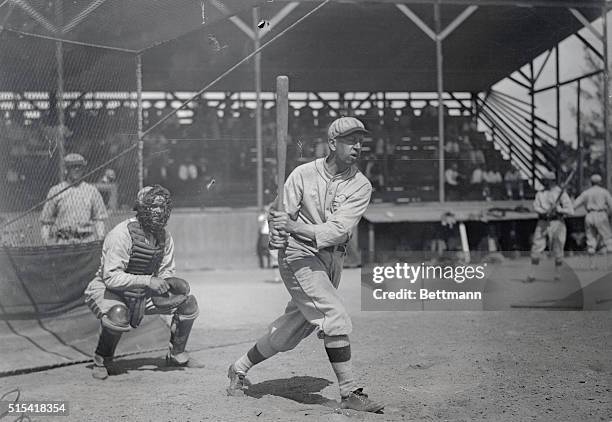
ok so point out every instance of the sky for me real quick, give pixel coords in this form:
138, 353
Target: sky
572, 64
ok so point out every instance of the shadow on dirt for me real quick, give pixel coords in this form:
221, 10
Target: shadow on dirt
299, 389
123, 366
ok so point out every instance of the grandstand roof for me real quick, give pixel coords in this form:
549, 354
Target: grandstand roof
345, 46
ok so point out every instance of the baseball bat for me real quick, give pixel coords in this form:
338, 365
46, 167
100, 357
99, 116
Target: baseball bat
282, 122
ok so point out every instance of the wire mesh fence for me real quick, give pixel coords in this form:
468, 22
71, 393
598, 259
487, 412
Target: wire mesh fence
48, 116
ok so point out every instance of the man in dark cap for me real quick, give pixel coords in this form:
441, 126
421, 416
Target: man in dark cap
137, 277
77, 214
598, 204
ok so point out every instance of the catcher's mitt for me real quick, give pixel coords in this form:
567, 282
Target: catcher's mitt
175, 296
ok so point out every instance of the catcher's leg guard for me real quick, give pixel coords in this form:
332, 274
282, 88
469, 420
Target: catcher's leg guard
182, 322
107, 343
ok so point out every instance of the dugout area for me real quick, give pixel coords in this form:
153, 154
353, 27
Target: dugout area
75, 78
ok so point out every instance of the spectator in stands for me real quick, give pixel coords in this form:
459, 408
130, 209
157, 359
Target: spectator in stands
513, 183
477, 184
77, 214
492, 183
406, 118
451, 149
477, 157
451, 178
374, 172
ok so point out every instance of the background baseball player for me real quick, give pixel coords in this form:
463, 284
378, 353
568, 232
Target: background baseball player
136, 276
598, 204
76, 215
324, 201
552, 205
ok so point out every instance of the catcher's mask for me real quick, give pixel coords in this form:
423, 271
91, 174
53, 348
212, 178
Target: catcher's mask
153, 208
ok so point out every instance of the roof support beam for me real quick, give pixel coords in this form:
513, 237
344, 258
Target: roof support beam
83, 15
523, 84
591, 4
584, 21
430, 32
417, 21
569, 81
457, 21
235, 19
35, 15
543, 65
589, 45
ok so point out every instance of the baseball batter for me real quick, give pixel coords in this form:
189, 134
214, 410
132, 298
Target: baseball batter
137, 277
323, 202
76, 215
552, 205
598, 204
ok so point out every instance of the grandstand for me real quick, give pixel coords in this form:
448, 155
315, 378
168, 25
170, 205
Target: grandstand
173, 92
178, 96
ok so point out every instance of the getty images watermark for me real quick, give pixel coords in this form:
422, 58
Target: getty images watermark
419, 281
410, 274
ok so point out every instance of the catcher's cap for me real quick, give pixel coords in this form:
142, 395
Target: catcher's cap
74, 159
345, 126
596, 178
549, 175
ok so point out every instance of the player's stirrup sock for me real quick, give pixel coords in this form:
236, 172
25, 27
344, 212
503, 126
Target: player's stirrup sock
338, 350
248, 360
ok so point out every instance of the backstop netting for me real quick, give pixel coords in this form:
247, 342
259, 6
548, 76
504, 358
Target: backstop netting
47, 114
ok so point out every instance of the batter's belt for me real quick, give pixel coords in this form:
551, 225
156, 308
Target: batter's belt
335, 248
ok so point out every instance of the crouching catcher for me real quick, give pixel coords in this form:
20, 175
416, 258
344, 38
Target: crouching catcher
137, 277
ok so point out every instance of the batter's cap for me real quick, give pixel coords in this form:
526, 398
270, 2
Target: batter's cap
345, 126
596, 178
74, 159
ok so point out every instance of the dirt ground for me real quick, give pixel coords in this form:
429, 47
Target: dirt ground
516, 365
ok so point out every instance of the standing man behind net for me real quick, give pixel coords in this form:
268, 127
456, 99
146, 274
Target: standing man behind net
323, 201
137, 277
77, 214
598, 204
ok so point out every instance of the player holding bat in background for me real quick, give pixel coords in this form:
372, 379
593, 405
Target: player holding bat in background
323, 202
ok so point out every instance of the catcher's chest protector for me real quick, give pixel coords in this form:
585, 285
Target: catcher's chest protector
145, 258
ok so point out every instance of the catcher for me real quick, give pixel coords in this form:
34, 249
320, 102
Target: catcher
136, 277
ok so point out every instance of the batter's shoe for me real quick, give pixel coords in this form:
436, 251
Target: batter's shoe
358, 400
238, 382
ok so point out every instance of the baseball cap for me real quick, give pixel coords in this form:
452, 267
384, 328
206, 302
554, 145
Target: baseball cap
596, 178
345, 126
74, 159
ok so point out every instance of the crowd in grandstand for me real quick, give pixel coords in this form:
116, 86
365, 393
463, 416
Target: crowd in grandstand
400, 156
